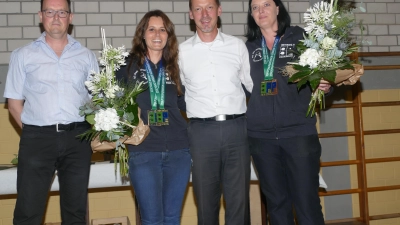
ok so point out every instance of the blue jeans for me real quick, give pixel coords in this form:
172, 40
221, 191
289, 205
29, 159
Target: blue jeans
159, 180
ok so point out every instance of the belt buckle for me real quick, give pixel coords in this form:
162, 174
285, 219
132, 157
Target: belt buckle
220, 117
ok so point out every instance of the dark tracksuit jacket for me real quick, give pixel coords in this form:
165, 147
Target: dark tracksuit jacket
161, 138
282, 115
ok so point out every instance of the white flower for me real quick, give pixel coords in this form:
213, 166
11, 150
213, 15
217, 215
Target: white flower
310, 57
110, 91
321, 11
106, 119
328, 43
316, 19
91, 86
113, 56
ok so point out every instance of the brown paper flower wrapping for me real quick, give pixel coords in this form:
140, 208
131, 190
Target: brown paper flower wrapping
137, 137
139, 134
98, 146
349, 77
346, 77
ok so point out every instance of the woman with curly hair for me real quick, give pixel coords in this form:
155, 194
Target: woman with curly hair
159, 168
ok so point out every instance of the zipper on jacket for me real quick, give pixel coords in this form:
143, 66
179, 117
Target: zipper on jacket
273, 102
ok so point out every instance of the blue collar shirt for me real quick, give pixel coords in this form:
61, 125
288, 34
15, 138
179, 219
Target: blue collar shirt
53, 87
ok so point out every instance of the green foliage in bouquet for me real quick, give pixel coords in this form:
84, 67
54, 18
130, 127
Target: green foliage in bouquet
112, 111
324, 49
125, 115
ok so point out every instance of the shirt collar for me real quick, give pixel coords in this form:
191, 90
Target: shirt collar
197, 40
71, 41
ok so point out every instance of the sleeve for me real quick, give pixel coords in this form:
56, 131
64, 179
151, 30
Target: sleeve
94, 64
244, 74
16, 75
93, 67
248, 94
181, 100
180, 63
121, 74
331, 89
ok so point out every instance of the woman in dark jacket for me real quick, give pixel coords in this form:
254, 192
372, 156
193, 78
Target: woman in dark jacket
159, 168
283, 142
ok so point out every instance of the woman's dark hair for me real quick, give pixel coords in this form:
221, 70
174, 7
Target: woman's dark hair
254, 32
170, 51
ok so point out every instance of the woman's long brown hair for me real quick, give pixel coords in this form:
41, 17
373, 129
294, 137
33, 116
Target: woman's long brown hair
170, 51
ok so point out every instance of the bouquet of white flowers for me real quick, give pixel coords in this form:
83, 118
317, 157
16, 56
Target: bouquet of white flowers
112, 111
323, 52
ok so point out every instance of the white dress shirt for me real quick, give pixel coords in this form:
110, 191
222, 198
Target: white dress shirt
213, 73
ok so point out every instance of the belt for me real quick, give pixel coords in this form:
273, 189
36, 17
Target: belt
219, 117
61, 127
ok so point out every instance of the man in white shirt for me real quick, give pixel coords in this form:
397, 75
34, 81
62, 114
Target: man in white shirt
213, 68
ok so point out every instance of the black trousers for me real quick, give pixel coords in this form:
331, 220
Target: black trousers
41, 152
288, 173
221, 162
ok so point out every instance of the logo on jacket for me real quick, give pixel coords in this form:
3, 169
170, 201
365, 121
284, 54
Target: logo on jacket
257, 55
286, 50
168, 79
141, 74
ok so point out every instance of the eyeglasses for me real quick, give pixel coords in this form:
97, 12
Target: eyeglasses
51, 13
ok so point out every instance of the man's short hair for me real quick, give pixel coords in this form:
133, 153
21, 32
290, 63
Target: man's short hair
68, 1
216, 1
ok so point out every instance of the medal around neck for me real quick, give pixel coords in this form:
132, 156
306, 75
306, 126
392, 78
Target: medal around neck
158, 115
269, 86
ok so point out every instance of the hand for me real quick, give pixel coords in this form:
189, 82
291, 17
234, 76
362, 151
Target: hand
324, 86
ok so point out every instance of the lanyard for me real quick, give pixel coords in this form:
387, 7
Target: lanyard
269, 60
157, 88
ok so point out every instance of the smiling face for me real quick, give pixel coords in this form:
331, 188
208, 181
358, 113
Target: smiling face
156, 35
205, 15
55, 27
265, 14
